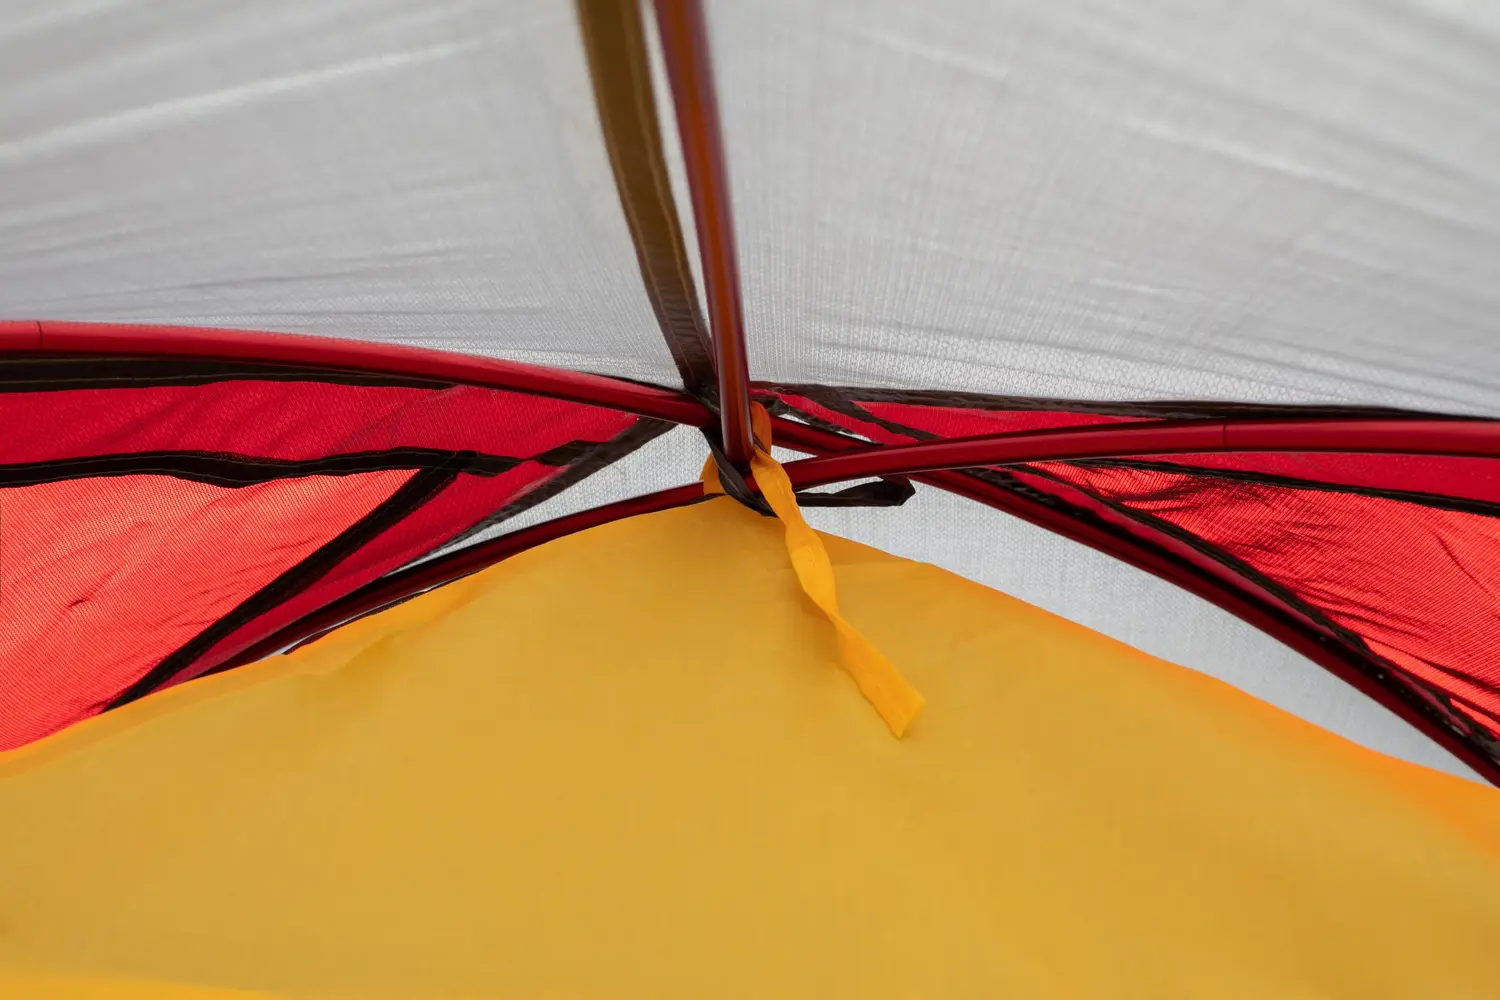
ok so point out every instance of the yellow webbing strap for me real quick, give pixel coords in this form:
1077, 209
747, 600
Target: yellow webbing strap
879, 681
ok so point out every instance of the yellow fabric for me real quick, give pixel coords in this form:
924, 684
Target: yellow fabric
881, 683
534, 784
34, 986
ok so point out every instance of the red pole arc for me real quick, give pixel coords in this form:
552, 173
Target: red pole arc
1454, 438
117, 340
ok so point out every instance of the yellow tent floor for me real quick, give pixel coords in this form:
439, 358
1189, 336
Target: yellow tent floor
627, 763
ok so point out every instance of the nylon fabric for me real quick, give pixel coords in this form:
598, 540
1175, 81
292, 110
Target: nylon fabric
141, 530
897, 701
1416, 583
294, 421
879, 681
1120, 199
45, 987
465, 501
425, 173
1085, 198
1102, 593
1428, 478
470, 795
100, 579
1063, 577
1318, 525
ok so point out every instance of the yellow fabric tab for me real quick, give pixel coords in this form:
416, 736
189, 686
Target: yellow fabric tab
879, 681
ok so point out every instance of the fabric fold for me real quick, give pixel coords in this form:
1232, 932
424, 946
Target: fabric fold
877, 678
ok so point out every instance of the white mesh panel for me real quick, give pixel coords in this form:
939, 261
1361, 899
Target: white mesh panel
1116, 199
430, 173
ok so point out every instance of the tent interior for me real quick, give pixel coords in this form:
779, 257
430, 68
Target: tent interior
761, 497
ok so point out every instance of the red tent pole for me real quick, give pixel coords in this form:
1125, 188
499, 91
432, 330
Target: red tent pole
1383, 436
684, 42
128, 340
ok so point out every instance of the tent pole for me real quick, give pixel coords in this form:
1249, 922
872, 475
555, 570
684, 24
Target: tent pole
614, 41
1383, 436
126, 340
684, 42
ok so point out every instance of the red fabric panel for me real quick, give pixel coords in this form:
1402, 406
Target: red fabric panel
1418, 584
943, 421
468, 500
820, 412
1469, 478
261, 419
1490, 722
291, 420
101, 578
953, 421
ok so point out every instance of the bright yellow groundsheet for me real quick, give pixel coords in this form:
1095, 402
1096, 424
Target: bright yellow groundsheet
628, 763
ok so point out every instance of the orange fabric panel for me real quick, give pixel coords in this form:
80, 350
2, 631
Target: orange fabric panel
101, 578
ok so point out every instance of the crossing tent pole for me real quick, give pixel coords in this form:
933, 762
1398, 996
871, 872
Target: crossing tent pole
684, 41
125, 340
1455, 438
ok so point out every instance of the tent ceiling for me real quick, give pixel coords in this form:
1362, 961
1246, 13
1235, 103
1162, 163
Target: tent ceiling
1099, 199
427, 173
1089, 198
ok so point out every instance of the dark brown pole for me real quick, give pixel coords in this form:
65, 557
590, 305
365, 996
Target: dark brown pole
684, 42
